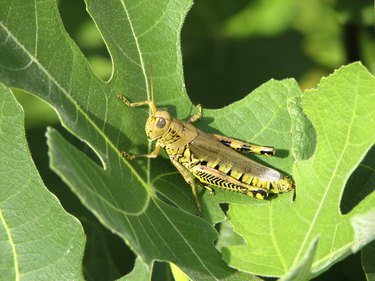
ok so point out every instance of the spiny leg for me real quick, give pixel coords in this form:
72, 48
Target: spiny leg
197, 116
191, 181
241, 146
211, 176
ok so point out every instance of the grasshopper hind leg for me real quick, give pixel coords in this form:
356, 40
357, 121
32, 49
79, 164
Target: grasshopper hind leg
241, 146
210, 176
257, 193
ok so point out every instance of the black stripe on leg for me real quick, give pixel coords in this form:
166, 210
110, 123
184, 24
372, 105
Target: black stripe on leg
244, 147
259, 191
225, 142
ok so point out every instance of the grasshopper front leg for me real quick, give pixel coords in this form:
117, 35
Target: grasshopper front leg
157, 148
241, 146
133, 104
153, 154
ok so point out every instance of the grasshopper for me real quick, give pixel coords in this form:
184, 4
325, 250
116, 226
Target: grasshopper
210, 159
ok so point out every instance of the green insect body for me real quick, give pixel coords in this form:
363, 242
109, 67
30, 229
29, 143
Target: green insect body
210, 159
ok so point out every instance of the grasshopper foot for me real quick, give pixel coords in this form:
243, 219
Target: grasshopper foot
127, 155
123, 99
199, 211
210, 190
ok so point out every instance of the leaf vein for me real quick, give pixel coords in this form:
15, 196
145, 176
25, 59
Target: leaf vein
12, 244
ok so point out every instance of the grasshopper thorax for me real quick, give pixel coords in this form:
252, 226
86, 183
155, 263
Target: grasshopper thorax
158, 124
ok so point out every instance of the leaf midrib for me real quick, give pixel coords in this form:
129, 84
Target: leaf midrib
148, 168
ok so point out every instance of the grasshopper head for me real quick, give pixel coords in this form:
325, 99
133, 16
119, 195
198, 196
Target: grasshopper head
159, 120
157, 124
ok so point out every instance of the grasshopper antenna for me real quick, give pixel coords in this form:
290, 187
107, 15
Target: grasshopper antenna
152, 103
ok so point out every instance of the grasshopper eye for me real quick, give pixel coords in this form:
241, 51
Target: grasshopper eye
161, 123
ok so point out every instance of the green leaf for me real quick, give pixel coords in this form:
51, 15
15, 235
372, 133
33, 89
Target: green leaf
39, 240
304, 135
178, 275
152, 228
279, 234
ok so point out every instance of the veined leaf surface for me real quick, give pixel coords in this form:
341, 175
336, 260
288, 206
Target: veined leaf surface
342, 110
146, 202
38, 239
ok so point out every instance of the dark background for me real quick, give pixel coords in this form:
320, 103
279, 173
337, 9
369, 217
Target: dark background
229, 48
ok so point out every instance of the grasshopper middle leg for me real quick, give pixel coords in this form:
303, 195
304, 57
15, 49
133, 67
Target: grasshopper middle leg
198, 116
191, 181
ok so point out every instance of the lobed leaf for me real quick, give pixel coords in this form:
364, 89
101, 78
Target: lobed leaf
342, 113
38, 239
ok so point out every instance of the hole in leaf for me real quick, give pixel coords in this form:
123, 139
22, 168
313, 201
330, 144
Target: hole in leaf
106, 255
360, 184
222, 66
84, 32
161, 271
